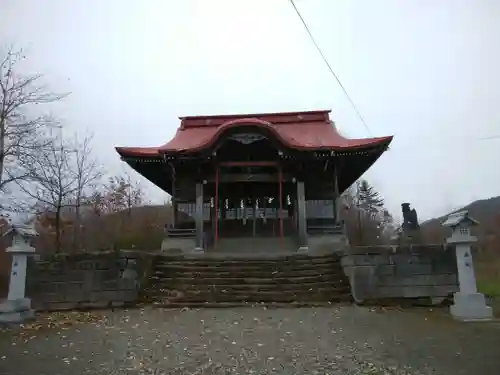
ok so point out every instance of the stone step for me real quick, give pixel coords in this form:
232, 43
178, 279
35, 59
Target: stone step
239, 280
250, 287
248, 275
202, 296
256, 255
209, 290
247, 268
237, 256
244, 262
268, 305
287, 279
332, 265
244, 270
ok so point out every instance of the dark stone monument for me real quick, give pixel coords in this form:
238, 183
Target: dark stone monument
410, 218
410, 229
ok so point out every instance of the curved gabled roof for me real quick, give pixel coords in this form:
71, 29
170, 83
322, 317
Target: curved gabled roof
311, 130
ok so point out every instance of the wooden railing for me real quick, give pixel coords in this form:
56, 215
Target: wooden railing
180, 232
324, 229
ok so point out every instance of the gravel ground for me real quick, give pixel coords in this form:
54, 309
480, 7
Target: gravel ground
254, 340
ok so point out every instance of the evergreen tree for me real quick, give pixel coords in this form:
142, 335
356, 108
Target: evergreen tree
369, 206
368, 199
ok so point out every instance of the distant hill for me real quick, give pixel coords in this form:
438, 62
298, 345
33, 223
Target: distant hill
486, 211
487, 249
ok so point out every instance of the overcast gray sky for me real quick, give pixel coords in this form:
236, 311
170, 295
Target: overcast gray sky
426, 71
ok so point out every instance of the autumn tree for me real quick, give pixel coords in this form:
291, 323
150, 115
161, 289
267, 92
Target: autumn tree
124, 193
112, 204
434, 233
23, 130
119, 194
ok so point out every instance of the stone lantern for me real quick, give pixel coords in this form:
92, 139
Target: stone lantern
17, 307
469, 305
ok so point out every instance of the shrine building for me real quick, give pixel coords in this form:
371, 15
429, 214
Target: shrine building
256, 182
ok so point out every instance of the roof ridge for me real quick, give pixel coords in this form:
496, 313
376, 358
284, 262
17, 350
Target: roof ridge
250, 115
271, 118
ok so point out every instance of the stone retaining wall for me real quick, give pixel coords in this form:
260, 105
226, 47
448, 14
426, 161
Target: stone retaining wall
115, 278
393, 272
85, 280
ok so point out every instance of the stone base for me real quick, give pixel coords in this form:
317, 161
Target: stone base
16, 311
322, 244
435, 301
176, 246
470, 307
17, 317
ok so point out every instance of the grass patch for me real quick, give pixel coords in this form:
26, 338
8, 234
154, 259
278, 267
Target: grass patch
489, 287
488, 281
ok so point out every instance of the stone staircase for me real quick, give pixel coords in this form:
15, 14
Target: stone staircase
222, 280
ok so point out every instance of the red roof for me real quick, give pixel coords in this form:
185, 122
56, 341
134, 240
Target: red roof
312, 130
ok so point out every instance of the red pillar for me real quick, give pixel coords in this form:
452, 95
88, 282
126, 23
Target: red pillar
282, 235
216, 204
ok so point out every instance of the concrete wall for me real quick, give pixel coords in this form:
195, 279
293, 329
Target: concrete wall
393, 272
84, 280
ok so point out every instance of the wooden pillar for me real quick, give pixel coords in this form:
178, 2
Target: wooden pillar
173, 217
223, 208
175, 210
301, 215
244, 212
336, 198
216, 203
295, 215
264, 207
280, 212
254, 217
199, 216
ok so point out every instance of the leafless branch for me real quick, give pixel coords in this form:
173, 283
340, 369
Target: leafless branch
87, 173
22, 131
53, 184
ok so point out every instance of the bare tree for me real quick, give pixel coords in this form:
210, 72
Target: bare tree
23, 131
53, 184
88, 173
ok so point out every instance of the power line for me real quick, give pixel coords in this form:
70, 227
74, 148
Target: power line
330, 67
491, 137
